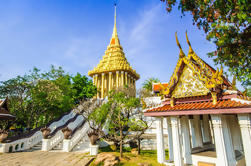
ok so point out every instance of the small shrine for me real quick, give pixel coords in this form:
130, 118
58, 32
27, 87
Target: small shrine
113, 70
208, 119
4, 111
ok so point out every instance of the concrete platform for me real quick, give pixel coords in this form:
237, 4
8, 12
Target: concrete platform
39, 158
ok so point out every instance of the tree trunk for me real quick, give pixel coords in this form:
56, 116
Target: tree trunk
121, 143
138, 146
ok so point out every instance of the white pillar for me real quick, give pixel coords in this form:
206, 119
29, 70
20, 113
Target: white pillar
223, 142
198, 133
160, 141
206, 129
234, 126
178, 161
192, 132
245, 125
186, 140
170, 139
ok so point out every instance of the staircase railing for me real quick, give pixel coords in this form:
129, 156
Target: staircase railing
30, 139
77, 135
57, 136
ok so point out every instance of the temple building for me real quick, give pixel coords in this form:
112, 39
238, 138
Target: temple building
208, 120
113, 70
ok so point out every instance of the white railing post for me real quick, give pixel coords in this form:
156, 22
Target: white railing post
3, 148
45, 144
66, 145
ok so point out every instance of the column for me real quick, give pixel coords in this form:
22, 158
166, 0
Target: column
223, 142
176, 144
117, 79
110, 81
103, 84
234, 126
129, 81
126, 78
94, 80
122, 79
206, 129
106, 86
245, 125
98, 87
192, 132
197, 128
186, 140
170, 139
160, 140
134, 86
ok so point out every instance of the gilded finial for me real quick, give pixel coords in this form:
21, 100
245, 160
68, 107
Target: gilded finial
178, 44
190, 47
114, 34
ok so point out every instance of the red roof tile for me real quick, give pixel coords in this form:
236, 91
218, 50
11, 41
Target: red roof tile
201, 105
157, 87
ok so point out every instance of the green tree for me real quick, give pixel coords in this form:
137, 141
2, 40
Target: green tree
38, 97
227, 24
83, 88
95, 112
123, 118
148, 84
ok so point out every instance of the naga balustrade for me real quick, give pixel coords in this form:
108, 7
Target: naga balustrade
28, 140
77, 135
57, 136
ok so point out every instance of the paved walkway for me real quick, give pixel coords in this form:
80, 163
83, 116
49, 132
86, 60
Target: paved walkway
39, 158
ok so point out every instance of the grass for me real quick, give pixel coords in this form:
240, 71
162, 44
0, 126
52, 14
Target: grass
129, 159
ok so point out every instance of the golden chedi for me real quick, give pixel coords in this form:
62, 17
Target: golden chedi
113, 70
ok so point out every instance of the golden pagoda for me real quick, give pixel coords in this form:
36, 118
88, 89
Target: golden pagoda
113, 69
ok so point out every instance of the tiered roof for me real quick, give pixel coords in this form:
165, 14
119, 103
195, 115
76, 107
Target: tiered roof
114, 58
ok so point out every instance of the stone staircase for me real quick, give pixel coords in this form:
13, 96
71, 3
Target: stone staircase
35, 148
58, 148
83, 145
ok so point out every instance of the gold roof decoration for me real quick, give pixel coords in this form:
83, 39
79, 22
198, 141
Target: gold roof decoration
178, 43
114, 58
200, 70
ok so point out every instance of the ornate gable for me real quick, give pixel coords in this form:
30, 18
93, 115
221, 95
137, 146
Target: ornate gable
189, 85
193, 77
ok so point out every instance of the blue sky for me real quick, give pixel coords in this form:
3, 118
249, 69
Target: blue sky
75, 33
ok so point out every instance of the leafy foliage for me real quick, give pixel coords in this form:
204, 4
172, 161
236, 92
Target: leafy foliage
83, 88
125, 122
227, 24
38, 97
148, 84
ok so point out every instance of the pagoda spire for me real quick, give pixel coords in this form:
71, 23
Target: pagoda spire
115, 38
114, 34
